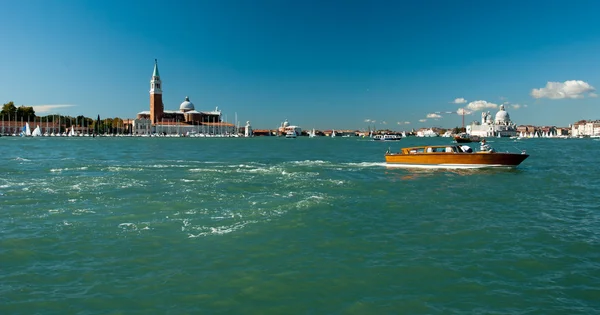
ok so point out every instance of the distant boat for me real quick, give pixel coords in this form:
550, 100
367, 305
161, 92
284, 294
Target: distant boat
290, 134
37, 132
312, 134
333, 133
26, 131
466, 138
387, 137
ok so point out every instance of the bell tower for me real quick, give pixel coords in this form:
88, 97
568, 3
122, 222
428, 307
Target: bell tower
156, 104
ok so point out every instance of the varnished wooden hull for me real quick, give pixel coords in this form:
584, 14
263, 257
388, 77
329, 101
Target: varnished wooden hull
455, 160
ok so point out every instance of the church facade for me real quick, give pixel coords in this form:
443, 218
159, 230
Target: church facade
501, 126
184, 121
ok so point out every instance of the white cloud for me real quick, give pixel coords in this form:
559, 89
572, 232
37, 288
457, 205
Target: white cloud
593, 95
567, 89
434, 116
462, 111
384, 123
459, 100
39, 109
407, 122
399, 123
369, 120
480, 105
422, 120
515, 106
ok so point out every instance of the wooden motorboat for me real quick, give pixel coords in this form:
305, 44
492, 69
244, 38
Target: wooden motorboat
453, 156
466, 138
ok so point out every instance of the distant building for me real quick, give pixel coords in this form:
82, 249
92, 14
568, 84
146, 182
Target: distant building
585, 128
186, 120
501, 126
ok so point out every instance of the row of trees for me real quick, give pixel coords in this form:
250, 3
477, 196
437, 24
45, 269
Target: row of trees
27, 114
22, 112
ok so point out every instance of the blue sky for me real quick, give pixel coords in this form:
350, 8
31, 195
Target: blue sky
323, 64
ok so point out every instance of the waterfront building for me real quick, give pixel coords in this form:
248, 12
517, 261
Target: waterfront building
586, 128
501, 126
185, 121
427, 132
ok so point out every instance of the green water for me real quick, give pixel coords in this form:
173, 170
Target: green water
293, 226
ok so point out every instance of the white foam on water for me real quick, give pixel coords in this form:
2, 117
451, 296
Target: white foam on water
21, 159
309, 202
368, 164
83, 211
123, 169
204, 170
310, 162
219, 230
128, 226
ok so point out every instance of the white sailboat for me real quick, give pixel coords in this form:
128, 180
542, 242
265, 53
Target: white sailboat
333, 133
312, 134
37, 132
26, 131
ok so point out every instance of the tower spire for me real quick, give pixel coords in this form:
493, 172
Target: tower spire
156, 104
155, 73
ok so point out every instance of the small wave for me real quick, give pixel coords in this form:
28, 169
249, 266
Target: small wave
206, 170
21, 159
368, 164
83, 211
219, 230
311, 162
128, 226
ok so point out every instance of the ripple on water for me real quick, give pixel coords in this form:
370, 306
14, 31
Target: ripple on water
137, 225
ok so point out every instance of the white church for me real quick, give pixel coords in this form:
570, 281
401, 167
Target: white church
501, 126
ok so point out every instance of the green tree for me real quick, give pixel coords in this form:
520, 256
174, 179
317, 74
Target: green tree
26, 113
8, 109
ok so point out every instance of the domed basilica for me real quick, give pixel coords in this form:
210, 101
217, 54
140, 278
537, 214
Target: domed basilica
501, 126
186, 120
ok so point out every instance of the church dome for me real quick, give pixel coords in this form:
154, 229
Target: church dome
186, 105
502, 116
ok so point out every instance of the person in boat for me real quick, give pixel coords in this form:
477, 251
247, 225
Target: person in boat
466, 149
485, 147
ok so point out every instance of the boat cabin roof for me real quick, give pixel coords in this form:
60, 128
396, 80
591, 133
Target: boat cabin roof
433, 149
